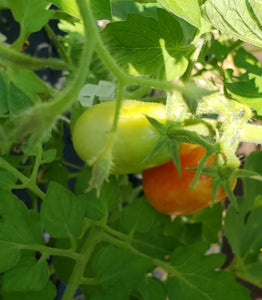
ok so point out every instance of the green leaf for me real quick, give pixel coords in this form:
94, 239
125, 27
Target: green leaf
56, 172
192, 94
15, 221
183, 231
111, 293
18, 101
248, 92
152, 289
141, 51
95, 207
241, 18
16, 95
139, 216
121, 9
243, 229
197, 276
7, 180
243, 232
18, 226
31, 14
47, 293
27, 275
49, 155
211, 219
3, 95
30, 84
9, 256
186, 9
101, 9
61, 212
252, 187
98, 207
246, 60
108, 265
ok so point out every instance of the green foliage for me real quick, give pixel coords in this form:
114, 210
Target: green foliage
243, 230
241, 19
62, 212
53, 226
155, 50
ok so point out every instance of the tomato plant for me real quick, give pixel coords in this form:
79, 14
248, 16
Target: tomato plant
74, 223
134, 139
172, 194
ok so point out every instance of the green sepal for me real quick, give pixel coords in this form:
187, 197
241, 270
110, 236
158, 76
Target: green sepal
174, 149
227, 187
192, 94
216, 185
162, 143
161, 128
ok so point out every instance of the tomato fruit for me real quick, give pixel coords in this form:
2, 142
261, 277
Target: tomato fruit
171, 194
135, 136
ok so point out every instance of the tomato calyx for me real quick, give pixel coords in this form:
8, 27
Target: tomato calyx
174, 133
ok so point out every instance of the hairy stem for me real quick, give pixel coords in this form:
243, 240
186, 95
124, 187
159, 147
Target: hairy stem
27, 182
77, 275
12, 58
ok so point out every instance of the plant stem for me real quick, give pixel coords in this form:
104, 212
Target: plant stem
12, 58
27, 182
58, 45
91, 241
251, 133
127, 245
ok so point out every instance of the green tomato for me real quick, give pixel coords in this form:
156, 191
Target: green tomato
135, 137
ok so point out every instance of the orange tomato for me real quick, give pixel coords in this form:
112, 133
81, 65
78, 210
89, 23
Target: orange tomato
171, 194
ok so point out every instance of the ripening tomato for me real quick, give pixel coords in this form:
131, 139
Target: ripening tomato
171, 194
135, 136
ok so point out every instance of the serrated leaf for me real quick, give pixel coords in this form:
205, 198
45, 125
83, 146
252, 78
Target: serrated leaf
7, 180
27, 275
243, 58
252, 187
25, 12
15, 225
141, 52
62, 212
239, 18
47, 293
152, 289
243, 230
30, 84
198, 278
248, 92
108, 265
9, 256
95, 207
244, 235
192, 94
121, 9
49, 155
3, 95
211, 219
101, 9
138, 216
112, 293
188, 10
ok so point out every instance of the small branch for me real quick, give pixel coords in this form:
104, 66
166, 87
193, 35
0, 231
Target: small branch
58, 45
251, 133
89, 281
76, 277
27, 182
12, 58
